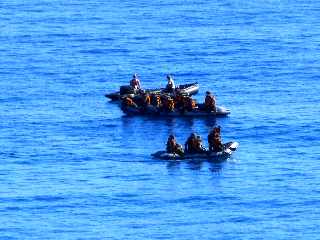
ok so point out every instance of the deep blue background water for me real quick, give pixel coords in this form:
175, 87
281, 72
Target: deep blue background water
73, 167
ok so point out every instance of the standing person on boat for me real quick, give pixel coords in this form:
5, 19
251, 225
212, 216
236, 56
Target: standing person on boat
173, 146
210, 102
135, 82
170, 85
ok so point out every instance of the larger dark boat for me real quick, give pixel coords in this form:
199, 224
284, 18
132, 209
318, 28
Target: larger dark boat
186, 89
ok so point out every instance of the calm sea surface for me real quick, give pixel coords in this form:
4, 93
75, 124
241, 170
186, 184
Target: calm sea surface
74, 167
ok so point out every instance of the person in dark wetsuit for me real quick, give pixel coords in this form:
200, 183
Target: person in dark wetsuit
173, 146
214, 140
199, 148
189, 104
190, 145
210, 102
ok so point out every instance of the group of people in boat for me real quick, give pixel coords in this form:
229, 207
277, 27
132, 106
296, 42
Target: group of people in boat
194, 144
169, 103
136, 85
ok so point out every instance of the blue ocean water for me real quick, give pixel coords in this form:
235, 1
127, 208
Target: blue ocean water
74, 167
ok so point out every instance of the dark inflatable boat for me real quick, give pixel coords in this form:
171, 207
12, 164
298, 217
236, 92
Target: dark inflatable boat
229, 149
187, 89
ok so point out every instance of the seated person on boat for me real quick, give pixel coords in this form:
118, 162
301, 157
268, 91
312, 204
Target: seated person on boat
173, 146
170, 85
190, 145
179, 100
128, 102
189, 104
170, 105
156, 100
199, 148
135, 82
194, 144
214, 140
146, 99
210, 102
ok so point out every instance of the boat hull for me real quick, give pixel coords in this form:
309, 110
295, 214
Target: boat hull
153, 111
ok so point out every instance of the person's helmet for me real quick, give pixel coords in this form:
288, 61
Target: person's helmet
208, 92
169, 77
171, 137
135, 75
193, 135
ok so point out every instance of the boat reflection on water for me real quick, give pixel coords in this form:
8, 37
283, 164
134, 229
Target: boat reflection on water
216, 167
194, 164
173, 165
172, 125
